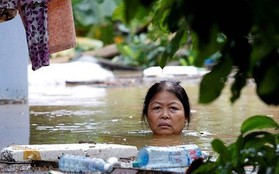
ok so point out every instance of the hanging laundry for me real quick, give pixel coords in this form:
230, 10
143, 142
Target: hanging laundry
60, 13
7, 10
34, 14
7, 14
34, 17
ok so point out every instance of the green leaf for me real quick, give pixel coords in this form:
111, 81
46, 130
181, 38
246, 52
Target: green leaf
259, 139
239, 83
277, 167
128, 11
212, 83
173, 19
173, 46
205, 50
219, 147
161, 15
235, 149
270, 82
265, 73
258, 122
268, 87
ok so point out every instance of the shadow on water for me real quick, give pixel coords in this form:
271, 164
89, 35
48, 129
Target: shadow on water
88, 113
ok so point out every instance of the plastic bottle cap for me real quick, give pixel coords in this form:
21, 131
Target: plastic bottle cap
135, 164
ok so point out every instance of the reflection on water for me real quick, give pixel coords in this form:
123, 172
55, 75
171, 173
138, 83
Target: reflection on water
112, 115
63, 95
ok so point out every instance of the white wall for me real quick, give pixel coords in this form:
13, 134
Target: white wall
13, 61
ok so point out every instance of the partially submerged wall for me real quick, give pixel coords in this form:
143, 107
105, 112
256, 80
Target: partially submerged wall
13, 62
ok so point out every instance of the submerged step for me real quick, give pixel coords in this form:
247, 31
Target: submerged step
52, 152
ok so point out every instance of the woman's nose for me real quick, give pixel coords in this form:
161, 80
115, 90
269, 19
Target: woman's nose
165, 115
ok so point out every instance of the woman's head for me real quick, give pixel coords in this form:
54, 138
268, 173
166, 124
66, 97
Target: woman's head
166, 108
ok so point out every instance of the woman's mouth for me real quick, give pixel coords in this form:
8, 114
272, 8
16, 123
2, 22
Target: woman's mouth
164, 125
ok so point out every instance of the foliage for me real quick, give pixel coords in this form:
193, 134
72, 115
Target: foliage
139, 50
245, 33
254, 148
136, 52
93, 19
241, 36
144, 47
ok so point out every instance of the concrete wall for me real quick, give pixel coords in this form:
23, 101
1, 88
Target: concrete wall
13, 61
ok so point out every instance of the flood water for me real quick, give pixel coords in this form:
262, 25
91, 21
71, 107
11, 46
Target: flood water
112, 114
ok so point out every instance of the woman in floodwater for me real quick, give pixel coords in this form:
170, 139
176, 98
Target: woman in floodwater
166, 108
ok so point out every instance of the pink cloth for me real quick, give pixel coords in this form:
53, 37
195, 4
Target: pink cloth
60, 14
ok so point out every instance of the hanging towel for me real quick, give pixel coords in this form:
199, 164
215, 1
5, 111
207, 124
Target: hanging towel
61, 26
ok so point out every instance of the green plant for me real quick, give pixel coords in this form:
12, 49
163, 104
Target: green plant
136, 51
245, 33
256, 149
93, 19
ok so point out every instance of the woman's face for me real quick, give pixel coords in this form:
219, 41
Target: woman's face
165, 114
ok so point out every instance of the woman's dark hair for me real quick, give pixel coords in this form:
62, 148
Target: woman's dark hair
172, 87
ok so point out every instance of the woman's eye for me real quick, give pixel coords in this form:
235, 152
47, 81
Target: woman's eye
173, 108
156, 108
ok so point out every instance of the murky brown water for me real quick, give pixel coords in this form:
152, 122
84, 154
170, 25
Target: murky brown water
100, 114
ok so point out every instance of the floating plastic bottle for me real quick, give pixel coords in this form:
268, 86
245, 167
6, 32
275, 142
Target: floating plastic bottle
154, 157
81, 164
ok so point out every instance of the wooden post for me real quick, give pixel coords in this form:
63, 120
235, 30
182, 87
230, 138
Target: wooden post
13, 62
